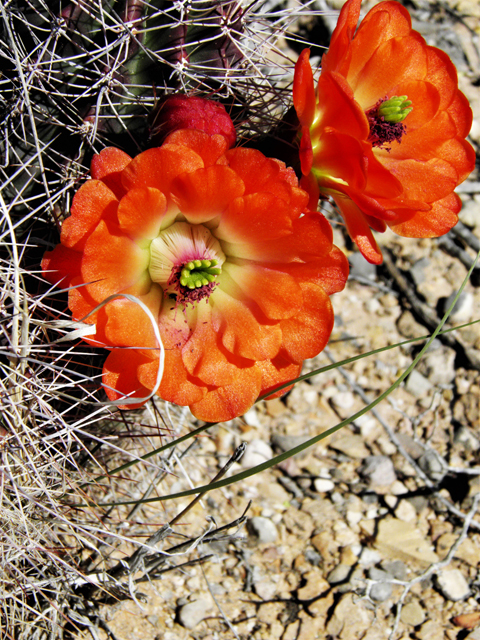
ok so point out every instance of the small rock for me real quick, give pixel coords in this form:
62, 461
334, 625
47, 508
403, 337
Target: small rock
400, 540
368, 557
470, 213
265, 589
396, 569
315, 586
417, 271
350, 444
406, 511
360, 268
430, 463
467, 620
453, 585
431, 630
285, 443
382, 590
351, 613
412, 614
339, 574
417, 384
467, 438
343, 400
463, 309
379, 470
263, 529
192, 613
322, 485
413, 448
439, 365
468, 551
257, 452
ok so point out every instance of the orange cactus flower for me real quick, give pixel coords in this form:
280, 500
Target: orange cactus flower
384, 132
219, 246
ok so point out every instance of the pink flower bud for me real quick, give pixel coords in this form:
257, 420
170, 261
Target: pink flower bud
191, 112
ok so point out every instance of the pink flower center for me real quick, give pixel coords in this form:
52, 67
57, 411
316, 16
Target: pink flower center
186, 260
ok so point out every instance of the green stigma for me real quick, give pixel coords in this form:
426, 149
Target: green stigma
198, 273
396, 109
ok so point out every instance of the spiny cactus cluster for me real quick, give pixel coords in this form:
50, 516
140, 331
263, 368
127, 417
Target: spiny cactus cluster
75, 77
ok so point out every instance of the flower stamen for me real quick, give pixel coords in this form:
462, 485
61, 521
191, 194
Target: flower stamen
198, 273
386, 120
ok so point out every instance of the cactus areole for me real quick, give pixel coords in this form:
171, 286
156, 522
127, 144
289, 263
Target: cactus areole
220, 247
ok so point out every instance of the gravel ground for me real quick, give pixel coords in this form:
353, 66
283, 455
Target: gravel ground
371, 533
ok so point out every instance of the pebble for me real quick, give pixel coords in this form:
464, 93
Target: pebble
382, 590
343, 400
396, 569
400, 540
192, 613
467, 438
412, 614
263, 529
350, 444
429, 463
470, 213
360, 268
322, 485
315, 586
339, 574
351, 618
285, 443
406, 511
463, 309
439, 365
379, 470
257, 452
417, 384
453, 585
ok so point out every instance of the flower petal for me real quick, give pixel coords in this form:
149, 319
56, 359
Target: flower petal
158, 167
127, 323
120, 376
141, 211
107, 166
276, 372
230, 401
243, 329
304, 90
205, 193
92, 202
177, 385
113, 263
307, 333
277, 294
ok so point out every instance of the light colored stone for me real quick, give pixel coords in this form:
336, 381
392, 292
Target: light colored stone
315, 586
379, 471
192, 613
349, 444
417, 384
322, 485
351, 618
257, 452
406, 511
453, 585
469, 551
263, 529
400, 540
412, 614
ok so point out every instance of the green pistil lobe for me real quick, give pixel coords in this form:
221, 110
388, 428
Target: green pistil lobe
198, 273
396, 109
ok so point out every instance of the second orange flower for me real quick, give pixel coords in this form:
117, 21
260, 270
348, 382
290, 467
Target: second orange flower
384, 132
